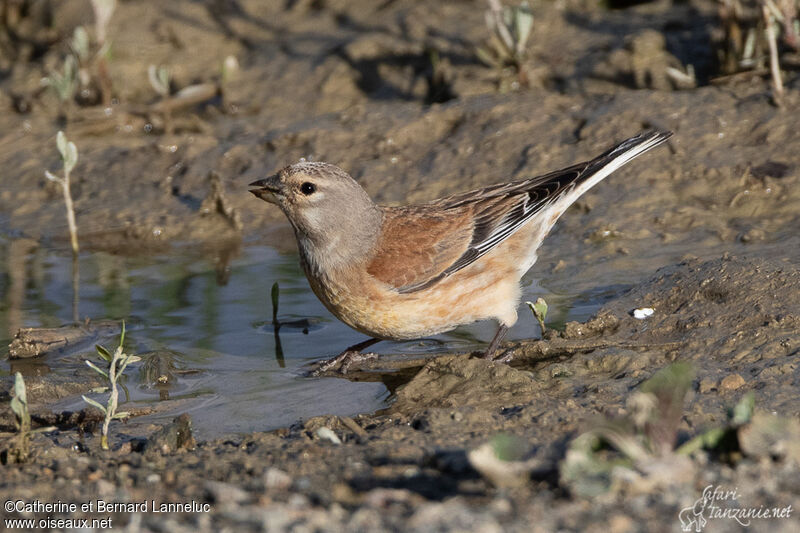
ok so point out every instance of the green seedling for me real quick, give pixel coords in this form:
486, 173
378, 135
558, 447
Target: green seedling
229, 70
753, 29
86, 61
502, 461
509, 30
276, 290
117, 363
103, 10
80, 44
756, 434
20, 445
644, 438
65, 83
19, 405
722, 438
159, 79
229, 73
276, 325
22, 420
539, 310
69, 158
508, 447
302, 323
642, 443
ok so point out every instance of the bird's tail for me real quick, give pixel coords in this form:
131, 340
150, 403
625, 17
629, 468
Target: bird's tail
568, 185
602, 166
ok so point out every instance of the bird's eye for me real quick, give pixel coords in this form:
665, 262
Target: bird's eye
308, 188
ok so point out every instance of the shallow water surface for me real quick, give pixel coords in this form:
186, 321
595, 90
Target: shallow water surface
212, 324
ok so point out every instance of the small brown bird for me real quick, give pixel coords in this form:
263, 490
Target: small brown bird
408, 272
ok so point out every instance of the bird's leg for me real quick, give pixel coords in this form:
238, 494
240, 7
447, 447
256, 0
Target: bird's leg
343, 361
498, 338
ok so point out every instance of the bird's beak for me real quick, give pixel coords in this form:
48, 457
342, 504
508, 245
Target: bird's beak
268, 189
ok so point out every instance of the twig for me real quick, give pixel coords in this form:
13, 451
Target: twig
773, 53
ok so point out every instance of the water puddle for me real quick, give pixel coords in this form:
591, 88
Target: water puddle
212, 334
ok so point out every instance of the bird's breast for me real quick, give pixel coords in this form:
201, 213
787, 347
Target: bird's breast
481, 291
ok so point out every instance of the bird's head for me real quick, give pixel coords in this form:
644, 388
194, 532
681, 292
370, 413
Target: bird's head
322, 202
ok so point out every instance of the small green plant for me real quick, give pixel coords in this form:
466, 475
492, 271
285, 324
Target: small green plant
503, 461
539, 310
20, 444
641, 443
85, 68
19, 448
69, 158
276, 291
509, 30
229, 70
19, 405
753, 30
80, 44
159, 79
103, 10
64, 84
117, 363
722, 439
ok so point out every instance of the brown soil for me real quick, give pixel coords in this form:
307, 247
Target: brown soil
354, 83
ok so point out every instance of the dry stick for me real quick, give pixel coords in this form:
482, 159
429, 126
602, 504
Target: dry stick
773, 53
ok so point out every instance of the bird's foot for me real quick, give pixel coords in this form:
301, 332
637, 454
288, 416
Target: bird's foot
506, 358
341, 363
498, 356
490, 352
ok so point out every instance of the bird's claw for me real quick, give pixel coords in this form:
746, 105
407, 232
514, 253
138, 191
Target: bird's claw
341, 363
506, 358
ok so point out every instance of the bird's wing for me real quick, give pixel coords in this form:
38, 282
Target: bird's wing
418, 243
423, 244
500, 210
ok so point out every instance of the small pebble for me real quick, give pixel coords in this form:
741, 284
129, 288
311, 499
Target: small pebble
731, 382
643, 312
275, 478
620, 523
325, 433
225, 493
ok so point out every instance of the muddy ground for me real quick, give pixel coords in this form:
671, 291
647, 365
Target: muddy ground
393, 93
